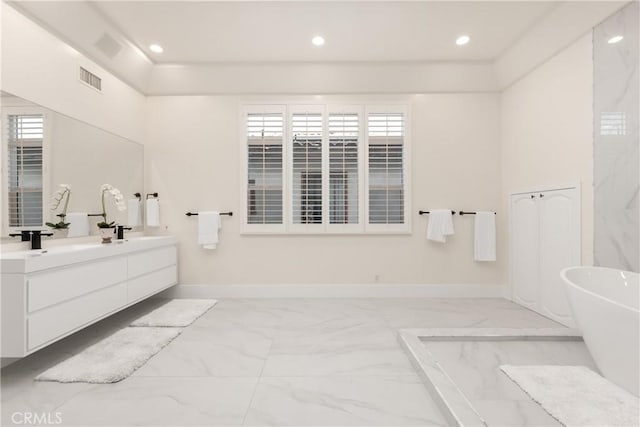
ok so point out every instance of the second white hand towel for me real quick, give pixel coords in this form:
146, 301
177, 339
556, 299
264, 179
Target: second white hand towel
134, 213
78, 224
153, 213
440, 225
208, 226
485, 236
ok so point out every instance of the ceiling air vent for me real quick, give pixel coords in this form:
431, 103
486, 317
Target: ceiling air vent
108, 45
91, 79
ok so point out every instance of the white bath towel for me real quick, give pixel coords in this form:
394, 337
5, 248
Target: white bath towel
134, 213
208, 226
153, 213
78, 224
485, 236
440, 225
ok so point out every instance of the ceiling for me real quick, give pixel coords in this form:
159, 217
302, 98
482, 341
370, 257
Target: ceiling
213, 46
354, 31
281, 31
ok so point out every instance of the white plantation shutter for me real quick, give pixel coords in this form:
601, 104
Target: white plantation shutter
316, 169
306, 140
25, 137
385, 133
265, 137
343, 168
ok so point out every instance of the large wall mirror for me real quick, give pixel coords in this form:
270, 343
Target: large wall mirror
43, 149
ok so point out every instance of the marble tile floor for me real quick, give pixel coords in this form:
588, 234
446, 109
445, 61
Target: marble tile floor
264, 362
474, 367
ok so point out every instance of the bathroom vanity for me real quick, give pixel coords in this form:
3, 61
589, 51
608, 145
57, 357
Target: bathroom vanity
49, 294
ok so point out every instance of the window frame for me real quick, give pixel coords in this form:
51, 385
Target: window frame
360, 226
305, 228
248, 228
405, 227
326, 228
47, 127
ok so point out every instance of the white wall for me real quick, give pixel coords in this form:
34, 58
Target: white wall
193, 161
322, 78
547, 130
42, 69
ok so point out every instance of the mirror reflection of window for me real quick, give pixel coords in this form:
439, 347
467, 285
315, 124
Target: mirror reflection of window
25, 139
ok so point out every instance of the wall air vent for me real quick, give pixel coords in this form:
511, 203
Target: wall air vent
91, 79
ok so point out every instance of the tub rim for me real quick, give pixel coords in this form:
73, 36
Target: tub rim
609, 300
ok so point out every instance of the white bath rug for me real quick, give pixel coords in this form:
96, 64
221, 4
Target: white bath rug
177, 313
577, 396
112, 359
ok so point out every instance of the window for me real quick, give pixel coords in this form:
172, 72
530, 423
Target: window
342, 169
344, 132
265, 135
386, 168
24, 157
306, 149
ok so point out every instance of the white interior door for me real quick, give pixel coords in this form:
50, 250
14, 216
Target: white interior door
524, 250
559, 218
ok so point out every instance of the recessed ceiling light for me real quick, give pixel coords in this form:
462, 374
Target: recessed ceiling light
615, 39
156, 48
317, 41
462, 40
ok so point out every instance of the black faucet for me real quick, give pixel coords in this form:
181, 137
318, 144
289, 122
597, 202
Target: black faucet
34, 235
120, 231
36, 238
24, 234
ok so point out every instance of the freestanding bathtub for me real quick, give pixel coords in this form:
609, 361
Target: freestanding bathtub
605, 304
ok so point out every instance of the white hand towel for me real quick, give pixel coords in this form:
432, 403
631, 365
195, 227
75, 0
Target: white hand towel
153, 213
440, 225
78, 224
485, 236
208, 226
134, 213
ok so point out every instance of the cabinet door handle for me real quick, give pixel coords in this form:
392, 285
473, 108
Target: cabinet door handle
533, 196
541, 195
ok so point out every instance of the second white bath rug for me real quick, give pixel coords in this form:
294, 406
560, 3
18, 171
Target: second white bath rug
112, 359
576, 396
177, 313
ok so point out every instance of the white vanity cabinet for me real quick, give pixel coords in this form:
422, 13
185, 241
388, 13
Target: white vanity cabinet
51, 294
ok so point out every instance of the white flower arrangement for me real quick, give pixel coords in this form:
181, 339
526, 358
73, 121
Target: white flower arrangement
117, 197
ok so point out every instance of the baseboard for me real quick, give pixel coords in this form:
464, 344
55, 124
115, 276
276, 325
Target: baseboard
335, 291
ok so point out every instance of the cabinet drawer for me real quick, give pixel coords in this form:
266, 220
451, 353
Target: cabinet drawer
146, 262
53, 287
53, 322
152, 283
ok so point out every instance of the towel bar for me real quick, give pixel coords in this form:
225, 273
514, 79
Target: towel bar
427, 212
221, 213
461, 213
